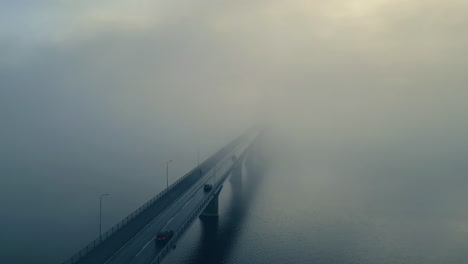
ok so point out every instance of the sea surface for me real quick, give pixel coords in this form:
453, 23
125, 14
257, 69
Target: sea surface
312, 204
348, 205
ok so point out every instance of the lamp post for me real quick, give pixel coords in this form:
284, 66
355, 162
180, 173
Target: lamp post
167, 173
100, 213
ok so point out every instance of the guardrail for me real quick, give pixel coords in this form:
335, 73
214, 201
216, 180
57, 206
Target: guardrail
166, 249
199, 209
98, 241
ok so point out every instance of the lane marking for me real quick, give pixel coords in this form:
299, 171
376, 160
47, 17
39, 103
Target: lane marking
144, 247
187, 203
151, 222
168, 222
194, 191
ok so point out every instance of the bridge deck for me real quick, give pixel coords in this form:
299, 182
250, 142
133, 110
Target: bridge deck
133, 242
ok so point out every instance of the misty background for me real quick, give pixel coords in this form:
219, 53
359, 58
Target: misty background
366, 101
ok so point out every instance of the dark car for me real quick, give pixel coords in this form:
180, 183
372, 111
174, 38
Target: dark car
163, 237
207, 187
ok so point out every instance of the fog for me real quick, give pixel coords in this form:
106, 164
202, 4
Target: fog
95, 97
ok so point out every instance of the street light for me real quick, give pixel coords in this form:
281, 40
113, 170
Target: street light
100, 213
167, 173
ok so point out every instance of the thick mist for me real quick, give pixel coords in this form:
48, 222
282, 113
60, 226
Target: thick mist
364, 97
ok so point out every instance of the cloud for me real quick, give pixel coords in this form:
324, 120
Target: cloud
370, 68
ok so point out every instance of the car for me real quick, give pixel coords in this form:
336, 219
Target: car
207, 187
163, 237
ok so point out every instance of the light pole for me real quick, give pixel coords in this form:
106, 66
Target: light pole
100, 213
167, 173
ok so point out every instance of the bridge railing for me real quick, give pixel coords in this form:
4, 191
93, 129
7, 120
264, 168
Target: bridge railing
167, 248
199, 209
98, 241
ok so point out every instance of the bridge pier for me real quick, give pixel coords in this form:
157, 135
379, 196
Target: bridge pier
211, 210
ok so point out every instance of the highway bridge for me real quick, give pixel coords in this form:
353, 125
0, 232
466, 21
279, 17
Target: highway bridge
176, 208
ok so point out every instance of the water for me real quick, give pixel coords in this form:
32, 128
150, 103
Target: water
50, 194
316, 203
336, 207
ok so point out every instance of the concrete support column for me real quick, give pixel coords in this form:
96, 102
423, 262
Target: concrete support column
211, 210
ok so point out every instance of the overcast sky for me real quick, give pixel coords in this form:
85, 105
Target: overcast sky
206, 61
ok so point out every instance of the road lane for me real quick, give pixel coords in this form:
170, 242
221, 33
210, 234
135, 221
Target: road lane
134, 250
125, 233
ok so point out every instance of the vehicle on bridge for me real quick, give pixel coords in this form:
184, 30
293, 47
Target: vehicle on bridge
163, 237
207, 187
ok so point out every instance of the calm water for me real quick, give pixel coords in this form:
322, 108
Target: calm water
347, 206
320, 204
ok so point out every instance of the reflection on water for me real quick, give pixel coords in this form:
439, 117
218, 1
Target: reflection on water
217, 242
340, 207
218, 237
320, 204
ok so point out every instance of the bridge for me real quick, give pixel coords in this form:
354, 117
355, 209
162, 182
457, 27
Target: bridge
175, 208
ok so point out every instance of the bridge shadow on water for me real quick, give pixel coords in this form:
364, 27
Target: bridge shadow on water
218, 238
